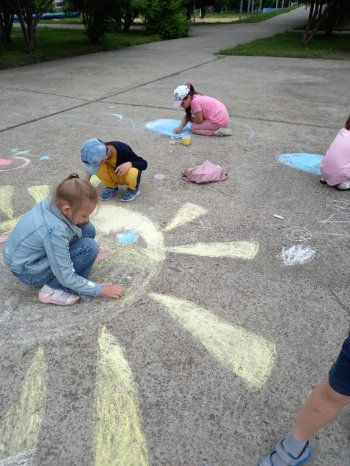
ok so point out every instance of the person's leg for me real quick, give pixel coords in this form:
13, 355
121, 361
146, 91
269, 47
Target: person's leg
83, 253
207, 128
107, 175
323, 406
132, 180
110, 179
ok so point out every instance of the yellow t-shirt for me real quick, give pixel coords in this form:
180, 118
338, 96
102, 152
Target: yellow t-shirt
113, 160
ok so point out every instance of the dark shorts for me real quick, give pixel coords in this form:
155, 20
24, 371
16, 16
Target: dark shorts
339, 375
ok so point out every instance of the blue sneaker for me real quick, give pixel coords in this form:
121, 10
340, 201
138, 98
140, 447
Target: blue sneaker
129, 195
108, 193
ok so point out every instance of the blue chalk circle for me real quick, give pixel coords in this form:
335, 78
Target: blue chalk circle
166, 127
309, 163
127, 237
45, 157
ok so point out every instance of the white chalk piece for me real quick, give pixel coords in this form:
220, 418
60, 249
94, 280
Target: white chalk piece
159, 176
279, 216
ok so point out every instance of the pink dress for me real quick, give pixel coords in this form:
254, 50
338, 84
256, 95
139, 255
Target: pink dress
215, 115
335, 165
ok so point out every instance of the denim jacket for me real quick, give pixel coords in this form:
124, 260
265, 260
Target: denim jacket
41, 240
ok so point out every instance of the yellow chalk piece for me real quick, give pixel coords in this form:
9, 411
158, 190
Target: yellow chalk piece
248, 355
6, 198
187, 213
39, 192
20, 428
119, 438
241, 249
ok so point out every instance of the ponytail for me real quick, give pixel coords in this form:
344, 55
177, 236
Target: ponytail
191, 93
347, 124
75, 191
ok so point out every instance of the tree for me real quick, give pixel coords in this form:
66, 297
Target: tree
29, 13
166, 18
6, 21
95, 14
324, 12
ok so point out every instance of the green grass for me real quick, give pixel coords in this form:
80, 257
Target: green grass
61, 43
289, 44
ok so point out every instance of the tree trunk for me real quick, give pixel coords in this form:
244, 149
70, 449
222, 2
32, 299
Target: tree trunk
333, 15
29, 14
318, 12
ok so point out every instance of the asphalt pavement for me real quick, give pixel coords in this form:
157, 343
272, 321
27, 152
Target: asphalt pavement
237, 292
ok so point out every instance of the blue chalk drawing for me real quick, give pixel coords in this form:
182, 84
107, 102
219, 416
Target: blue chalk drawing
127, 237
166, 127
45, 157
309, 163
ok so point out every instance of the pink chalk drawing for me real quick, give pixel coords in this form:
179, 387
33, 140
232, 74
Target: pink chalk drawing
8, 162
103, 255
4, 162
3, 238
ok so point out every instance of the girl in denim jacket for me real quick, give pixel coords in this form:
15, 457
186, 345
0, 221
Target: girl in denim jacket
53, 246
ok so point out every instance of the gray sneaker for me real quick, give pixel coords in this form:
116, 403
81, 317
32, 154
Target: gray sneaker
223, 132
344, 186
280, 457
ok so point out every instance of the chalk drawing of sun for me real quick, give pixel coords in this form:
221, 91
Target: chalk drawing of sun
119, 439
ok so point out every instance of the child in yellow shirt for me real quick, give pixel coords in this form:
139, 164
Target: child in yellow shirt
114, 163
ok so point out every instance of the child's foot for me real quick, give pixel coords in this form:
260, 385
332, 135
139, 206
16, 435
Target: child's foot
129, 195
280, 457
223, 132
48, 295
323, 181
108, 193
344, 186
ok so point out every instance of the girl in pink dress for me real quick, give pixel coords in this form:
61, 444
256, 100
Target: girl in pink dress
208, 116
335, 166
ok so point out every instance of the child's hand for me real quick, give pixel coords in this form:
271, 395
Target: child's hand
112, 291
177, 130
123, 168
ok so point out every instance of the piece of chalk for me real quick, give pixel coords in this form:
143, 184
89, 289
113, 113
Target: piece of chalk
278, 216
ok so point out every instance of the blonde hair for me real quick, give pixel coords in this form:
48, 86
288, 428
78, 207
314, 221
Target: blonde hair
75, 191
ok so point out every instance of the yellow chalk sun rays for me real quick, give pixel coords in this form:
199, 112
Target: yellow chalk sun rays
246, 354
119, 438
21, 424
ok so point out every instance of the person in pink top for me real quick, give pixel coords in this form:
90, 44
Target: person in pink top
208, 116
335, 165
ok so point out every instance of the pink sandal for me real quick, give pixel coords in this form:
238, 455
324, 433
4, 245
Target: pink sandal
48, 295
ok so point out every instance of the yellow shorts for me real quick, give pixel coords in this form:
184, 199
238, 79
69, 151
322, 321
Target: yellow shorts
110, 179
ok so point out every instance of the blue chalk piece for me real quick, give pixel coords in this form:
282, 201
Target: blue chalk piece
309, 163
45, 157
166, 127
127, 237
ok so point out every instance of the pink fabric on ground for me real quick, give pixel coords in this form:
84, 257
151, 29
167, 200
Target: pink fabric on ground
207, 172
335, 166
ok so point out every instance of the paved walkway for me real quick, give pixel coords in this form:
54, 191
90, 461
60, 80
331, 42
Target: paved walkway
231, 315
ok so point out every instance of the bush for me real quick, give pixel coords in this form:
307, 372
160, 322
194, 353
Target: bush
166, 18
